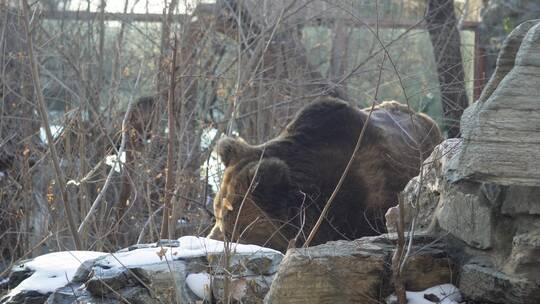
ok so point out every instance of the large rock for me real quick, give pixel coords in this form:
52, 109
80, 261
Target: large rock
422, 194
475, 212
465, 212
356, 271
494, 230
501, 130
524, 260
521, 200
484, 284
462, 209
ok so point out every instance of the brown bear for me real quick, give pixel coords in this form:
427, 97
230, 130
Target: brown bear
274, 192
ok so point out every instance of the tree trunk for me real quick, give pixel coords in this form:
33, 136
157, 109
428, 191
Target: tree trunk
444, 34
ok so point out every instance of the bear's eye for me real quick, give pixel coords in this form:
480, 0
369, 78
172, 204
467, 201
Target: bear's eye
227, 204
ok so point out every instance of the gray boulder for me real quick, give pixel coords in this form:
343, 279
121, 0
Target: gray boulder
356, 271
423, 193
485, 284
501, 131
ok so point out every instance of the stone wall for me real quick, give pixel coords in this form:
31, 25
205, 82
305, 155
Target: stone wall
482, 193
492, 230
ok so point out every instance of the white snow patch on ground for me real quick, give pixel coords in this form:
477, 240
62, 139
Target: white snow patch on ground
446, 293
190, 246
199, 283
53, 270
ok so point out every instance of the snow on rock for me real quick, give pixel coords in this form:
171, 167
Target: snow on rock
53, 270
195, 246
442, 294
184, 264
189, 247
199, 283
191, 259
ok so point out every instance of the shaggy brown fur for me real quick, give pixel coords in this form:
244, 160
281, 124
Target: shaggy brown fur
280, 187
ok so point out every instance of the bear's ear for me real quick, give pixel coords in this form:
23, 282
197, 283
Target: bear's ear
232, 150
272, 179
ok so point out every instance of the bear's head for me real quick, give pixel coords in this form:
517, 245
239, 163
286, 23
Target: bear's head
255, 198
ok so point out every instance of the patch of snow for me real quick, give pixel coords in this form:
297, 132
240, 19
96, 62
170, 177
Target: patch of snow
55, 131
114, 161
207, 136
446, 293
190, 246
53, 270
199, 283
